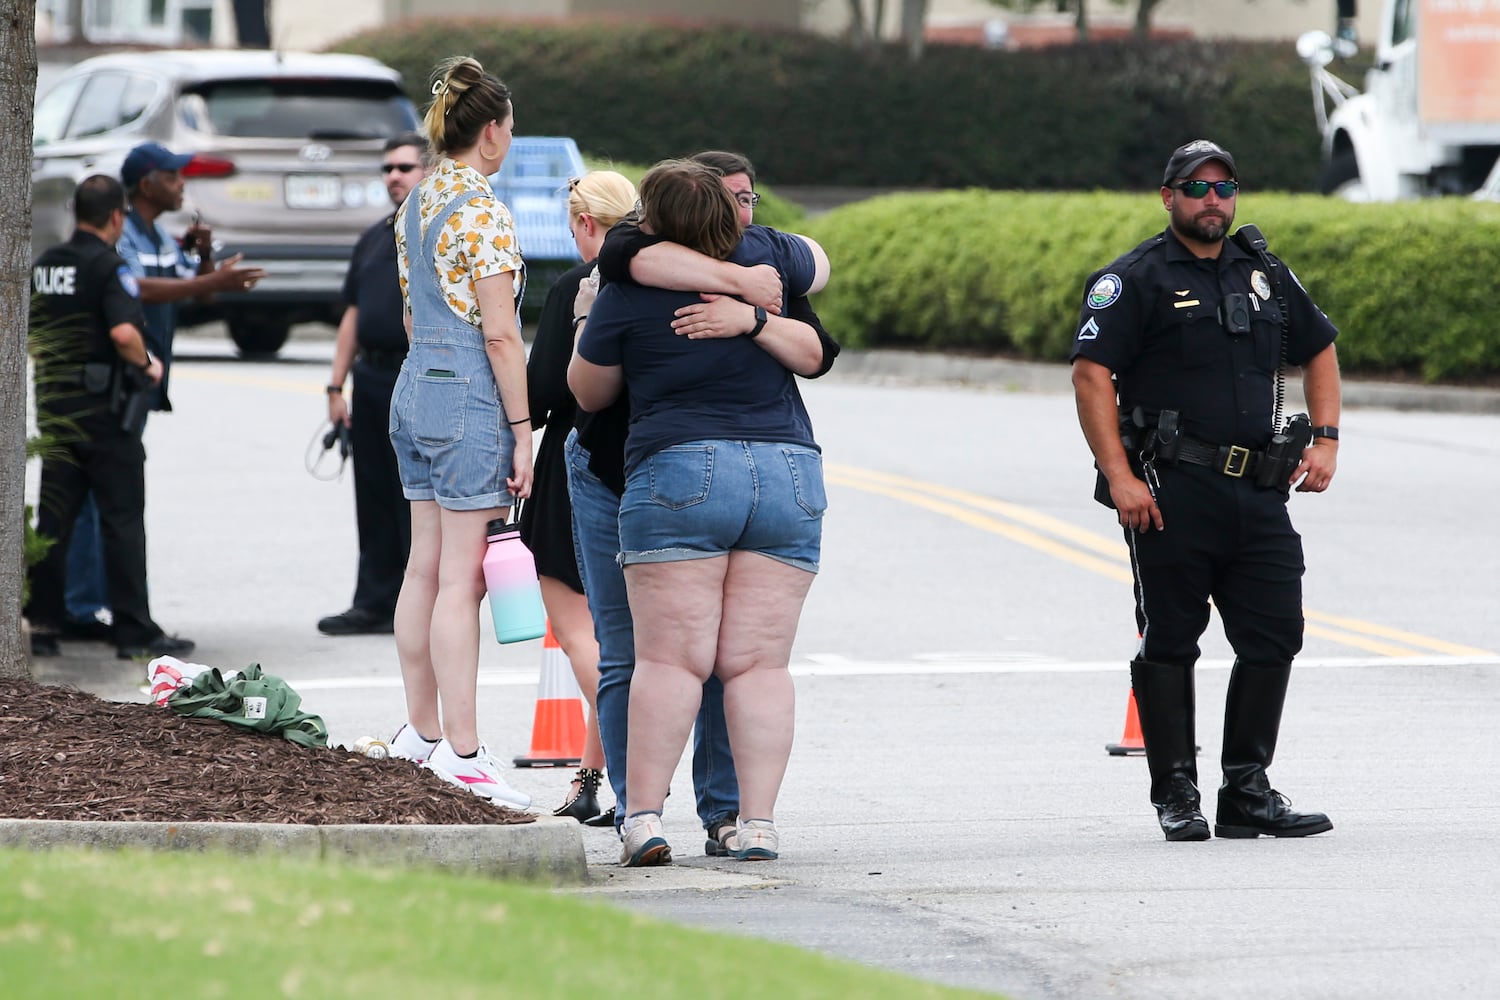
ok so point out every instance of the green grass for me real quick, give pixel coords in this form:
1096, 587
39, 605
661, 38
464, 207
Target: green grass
75, 923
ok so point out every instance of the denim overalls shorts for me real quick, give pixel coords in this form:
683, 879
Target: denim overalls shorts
447, 425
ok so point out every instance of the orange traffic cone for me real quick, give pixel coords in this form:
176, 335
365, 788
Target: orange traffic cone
557, 730
1131, 742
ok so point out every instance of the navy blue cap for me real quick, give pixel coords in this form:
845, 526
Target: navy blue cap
149, 156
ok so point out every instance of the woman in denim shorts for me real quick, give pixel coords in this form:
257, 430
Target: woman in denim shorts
721, 521
459, 419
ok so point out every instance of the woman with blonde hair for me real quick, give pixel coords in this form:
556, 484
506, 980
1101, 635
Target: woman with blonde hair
459, 418
596, 202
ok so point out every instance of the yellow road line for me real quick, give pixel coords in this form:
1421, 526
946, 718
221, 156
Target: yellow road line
986, 523
194, 374
1348, 631
1438, 645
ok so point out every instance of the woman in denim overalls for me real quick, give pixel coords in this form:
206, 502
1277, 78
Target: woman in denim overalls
459, 419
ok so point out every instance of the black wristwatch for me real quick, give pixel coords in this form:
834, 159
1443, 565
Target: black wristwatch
760, 322
1326, 431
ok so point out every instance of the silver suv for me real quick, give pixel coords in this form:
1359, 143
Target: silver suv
286, 152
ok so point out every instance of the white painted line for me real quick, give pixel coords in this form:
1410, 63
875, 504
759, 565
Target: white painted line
830, 665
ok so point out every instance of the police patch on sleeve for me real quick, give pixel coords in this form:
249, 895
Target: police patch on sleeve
1089, 330
128, 282
1106, 292
1261, 284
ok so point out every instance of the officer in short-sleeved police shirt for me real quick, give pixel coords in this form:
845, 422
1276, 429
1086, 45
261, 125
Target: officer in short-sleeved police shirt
1175, 369
89, 312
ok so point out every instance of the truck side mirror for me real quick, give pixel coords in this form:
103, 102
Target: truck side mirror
1315, 48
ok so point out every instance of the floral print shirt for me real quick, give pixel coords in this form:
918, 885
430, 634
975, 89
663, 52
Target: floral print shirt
479, 239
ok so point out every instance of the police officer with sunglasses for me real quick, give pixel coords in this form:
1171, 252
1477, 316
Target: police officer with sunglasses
1177, 374
370, 345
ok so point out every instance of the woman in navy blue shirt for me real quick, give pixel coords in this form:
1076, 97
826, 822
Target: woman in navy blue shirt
721, 521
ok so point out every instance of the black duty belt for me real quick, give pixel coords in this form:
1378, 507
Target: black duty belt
78, 377
1230, 459
382, 359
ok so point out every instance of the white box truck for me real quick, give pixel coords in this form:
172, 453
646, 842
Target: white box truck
1428, 120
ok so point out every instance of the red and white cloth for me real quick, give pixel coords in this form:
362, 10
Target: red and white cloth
166, 674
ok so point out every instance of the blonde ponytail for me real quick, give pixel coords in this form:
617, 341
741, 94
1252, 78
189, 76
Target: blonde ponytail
464, 99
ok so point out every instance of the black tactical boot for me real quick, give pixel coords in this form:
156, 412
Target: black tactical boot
1164, 700
1248, 805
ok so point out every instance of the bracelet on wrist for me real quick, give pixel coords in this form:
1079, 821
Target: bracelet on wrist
334, 390
523, 420
579, 321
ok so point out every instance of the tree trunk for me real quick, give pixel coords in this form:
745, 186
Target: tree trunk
76, 34
17, 91
1143, 11
913, 21
856, 32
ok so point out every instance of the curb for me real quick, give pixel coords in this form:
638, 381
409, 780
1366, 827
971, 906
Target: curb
549, 850
1009, 375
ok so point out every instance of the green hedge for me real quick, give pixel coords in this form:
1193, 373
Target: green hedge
810, 110
773, 210
1411, 286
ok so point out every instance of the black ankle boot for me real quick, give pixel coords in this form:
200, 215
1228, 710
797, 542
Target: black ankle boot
1248, 805
1164, 701
585, 805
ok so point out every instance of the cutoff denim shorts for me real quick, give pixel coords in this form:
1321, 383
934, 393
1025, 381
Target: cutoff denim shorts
450, 435
704, 498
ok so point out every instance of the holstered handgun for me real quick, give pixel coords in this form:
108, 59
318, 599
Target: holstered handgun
1284, 453
130, 397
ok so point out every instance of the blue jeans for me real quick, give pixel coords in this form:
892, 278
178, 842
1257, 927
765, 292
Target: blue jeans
86, 594
449, 431
596, 539
700, 499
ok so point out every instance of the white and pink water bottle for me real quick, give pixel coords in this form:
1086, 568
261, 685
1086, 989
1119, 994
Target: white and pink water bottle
510, 578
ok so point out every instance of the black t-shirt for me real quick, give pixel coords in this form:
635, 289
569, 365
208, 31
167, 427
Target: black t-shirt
1154, 317
83, 289
373, 287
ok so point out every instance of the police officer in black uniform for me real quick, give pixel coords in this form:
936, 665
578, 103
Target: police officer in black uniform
1176, 374
371, 342
98, 379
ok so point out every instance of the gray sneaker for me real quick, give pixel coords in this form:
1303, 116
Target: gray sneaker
644, 843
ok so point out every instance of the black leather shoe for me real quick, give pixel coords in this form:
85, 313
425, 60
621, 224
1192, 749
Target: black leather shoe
606, 818
162, 645
88, 628
1180, 816
1248, 813
45, 644
356, 621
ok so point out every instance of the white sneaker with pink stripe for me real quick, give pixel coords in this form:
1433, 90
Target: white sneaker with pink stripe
480, 774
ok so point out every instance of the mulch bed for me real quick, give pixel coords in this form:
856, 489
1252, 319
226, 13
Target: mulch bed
65, 754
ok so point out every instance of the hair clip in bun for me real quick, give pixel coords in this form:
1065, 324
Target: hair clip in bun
439, 88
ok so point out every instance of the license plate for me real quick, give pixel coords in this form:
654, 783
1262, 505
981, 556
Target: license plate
313, 191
